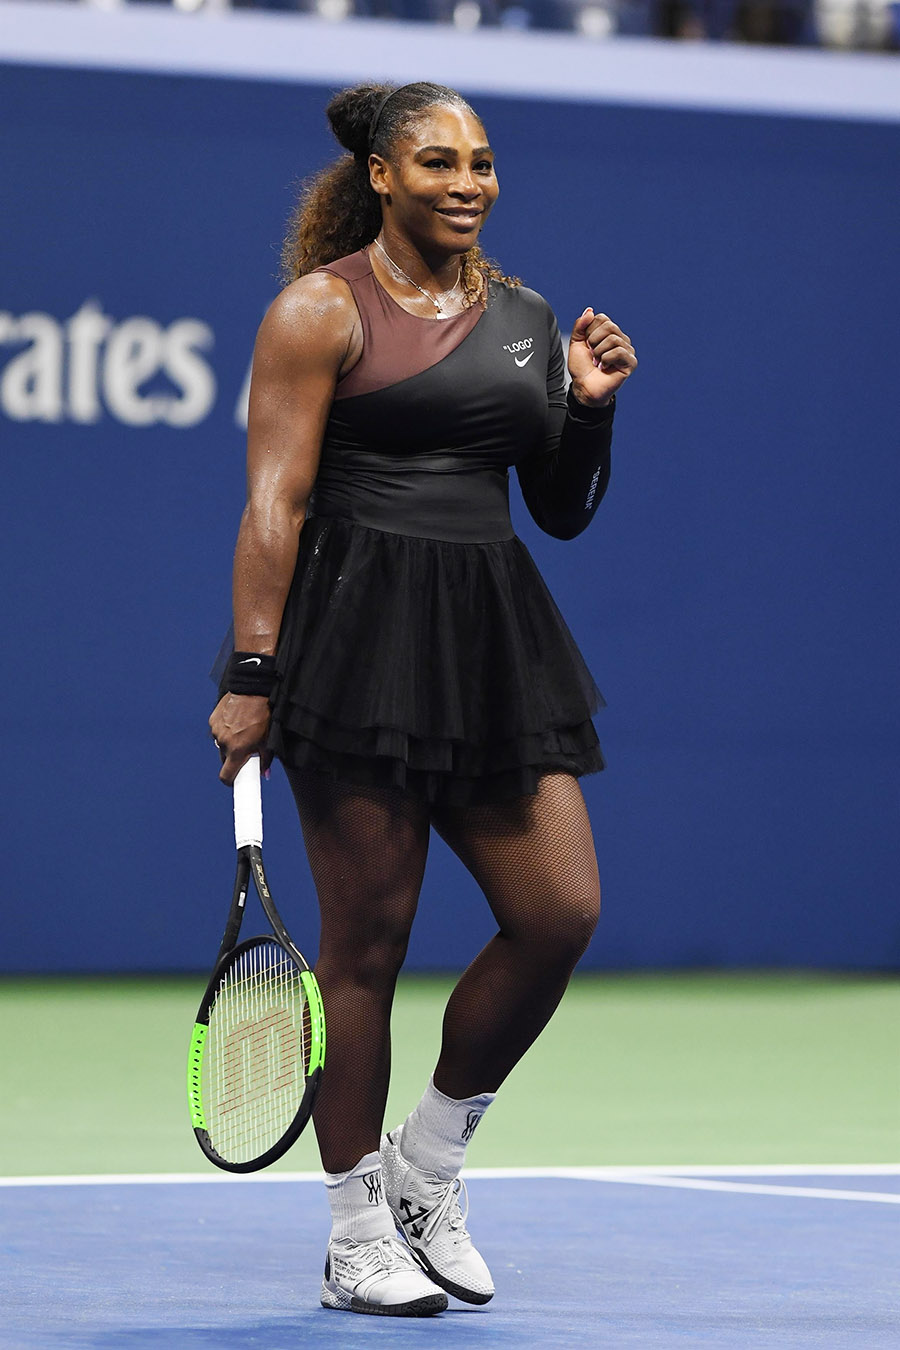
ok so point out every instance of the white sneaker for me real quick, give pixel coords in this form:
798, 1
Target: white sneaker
426, 1210
382, 1276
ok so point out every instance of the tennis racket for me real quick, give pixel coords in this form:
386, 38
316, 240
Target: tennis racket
258, 1044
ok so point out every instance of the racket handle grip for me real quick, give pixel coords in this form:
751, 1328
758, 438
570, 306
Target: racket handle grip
248, 805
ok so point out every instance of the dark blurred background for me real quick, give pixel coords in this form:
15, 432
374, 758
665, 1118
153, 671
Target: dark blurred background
735, 596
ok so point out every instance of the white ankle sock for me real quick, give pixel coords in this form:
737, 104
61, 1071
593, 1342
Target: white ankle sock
358, 1207
436, 1133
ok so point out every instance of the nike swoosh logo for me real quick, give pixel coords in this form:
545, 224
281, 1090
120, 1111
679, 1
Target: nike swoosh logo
250, 661
525, 359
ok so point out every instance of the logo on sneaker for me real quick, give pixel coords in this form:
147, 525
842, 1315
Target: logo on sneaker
372, 1183
472, 1120
410, 1222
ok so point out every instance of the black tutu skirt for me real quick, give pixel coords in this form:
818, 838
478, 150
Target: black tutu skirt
442, 668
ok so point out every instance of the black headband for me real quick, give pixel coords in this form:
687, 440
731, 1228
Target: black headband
373, 125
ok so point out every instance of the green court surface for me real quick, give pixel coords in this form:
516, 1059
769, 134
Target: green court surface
639, 1069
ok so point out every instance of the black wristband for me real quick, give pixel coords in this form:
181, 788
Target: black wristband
250, 673
597, 416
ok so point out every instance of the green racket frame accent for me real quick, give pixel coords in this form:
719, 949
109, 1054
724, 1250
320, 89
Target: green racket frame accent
317, 1020
249, 862
195, 1064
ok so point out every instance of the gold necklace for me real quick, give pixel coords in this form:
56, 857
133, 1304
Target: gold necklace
439, 311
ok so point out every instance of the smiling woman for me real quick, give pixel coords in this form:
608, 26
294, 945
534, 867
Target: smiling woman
409, 666
338, 211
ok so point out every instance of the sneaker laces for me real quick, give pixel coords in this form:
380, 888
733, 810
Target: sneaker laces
386, 1254
448, 1208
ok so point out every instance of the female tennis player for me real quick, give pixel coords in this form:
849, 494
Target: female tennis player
398, 651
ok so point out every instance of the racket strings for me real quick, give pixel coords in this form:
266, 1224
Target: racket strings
257, 1052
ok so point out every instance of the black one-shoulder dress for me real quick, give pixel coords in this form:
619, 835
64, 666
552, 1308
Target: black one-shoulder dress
420, 646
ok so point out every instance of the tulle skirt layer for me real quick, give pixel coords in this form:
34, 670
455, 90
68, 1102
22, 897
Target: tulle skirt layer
442, 668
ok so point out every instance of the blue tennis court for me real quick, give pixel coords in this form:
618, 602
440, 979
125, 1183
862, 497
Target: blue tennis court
612, 1257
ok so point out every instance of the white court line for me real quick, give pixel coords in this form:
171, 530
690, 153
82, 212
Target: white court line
681, 1179
159, 1178
751, 1188
685, 1178
695, 1169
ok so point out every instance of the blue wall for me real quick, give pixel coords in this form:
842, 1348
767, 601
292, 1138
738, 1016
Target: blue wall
735, 598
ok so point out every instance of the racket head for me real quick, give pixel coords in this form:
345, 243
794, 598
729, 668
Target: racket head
256, 1055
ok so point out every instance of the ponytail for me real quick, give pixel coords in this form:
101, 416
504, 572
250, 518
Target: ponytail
337, 213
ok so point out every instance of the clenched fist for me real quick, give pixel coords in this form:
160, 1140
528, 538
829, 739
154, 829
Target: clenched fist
601, 358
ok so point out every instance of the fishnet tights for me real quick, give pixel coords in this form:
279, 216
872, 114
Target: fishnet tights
533, 858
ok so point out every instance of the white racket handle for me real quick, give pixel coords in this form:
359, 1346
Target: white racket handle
248, 805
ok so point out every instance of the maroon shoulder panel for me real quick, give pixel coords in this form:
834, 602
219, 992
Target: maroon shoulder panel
396, 344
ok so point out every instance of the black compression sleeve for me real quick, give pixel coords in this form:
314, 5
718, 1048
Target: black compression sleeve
564, 484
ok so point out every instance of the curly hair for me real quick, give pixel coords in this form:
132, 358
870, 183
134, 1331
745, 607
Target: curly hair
338, 212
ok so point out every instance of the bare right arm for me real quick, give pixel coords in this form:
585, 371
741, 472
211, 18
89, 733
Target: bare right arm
309, 336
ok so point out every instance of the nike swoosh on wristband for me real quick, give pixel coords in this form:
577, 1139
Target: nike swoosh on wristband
525, 359
250, 661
